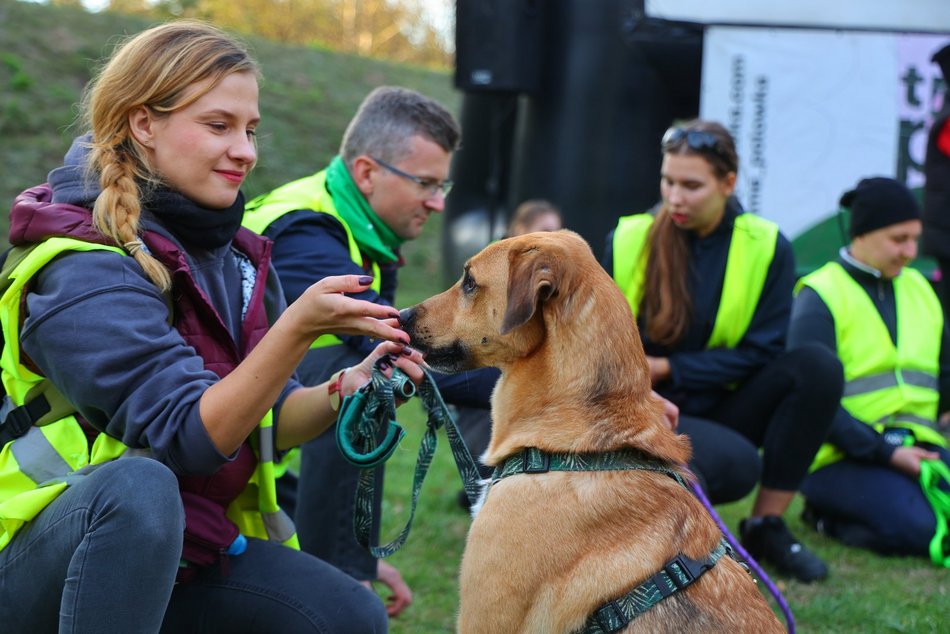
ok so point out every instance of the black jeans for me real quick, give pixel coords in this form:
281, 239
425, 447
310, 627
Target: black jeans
786, 408
725, 462
873, 506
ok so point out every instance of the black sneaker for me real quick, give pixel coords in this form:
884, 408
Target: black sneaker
769, 540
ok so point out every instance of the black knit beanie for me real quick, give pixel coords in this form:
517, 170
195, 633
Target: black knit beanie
879, 202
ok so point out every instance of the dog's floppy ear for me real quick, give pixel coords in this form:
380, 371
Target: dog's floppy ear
532, 278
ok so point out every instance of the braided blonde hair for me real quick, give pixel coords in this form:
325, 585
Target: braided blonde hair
153, 69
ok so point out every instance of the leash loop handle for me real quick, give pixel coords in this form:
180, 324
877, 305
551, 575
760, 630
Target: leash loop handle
364, 415
357, 431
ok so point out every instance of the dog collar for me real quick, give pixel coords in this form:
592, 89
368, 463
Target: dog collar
533, 460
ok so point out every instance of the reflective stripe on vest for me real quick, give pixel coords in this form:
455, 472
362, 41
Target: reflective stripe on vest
35, 467
37, 458
306, 193
751, 251
268, 521
884, 384
865, 384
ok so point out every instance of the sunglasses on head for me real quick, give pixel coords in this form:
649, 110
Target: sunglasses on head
698, 140
701, 141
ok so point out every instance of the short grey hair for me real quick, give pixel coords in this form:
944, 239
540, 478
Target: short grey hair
389, 116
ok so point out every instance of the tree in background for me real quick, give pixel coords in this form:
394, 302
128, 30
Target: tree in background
394, 30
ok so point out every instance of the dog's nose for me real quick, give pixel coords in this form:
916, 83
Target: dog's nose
406, 317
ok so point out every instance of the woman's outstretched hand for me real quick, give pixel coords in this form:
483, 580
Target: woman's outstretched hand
325, 309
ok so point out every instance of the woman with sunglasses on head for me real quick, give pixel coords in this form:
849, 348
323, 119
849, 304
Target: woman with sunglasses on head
148, 363
711, 288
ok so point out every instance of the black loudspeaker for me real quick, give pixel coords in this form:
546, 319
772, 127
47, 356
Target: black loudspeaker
498, 45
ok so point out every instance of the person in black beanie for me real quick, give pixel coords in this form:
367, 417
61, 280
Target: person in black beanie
886, 325
936, 237
879, 202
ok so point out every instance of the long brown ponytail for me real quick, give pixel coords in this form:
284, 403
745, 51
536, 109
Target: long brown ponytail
666, 307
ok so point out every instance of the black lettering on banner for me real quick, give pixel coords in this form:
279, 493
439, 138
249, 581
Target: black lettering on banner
736, 95
758, 143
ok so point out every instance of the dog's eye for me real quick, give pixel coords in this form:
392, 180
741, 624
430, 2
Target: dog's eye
468, 283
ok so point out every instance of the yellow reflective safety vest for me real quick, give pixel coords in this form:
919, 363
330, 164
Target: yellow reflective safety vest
306, 193
751, 251
39, 465
885, 385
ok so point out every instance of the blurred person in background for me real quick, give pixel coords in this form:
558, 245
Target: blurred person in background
885, 323
711, 288
534, 215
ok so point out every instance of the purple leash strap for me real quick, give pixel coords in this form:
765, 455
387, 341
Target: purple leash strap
756, 568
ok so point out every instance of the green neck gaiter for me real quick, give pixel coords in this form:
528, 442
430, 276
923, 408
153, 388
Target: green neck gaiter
372, 235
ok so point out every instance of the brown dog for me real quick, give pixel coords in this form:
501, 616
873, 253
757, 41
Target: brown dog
546, 550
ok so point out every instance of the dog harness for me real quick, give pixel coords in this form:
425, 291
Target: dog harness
675, 575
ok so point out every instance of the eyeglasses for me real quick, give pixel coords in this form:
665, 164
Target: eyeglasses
696, 140
429, 186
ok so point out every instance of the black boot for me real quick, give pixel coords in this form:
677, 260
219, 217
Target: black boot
769, 540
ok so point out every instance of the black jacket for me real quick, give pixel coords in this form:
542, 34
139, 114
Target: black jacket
700, 377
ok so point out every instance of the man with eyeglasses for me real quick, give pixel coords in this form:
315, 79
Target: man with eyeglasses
352, 218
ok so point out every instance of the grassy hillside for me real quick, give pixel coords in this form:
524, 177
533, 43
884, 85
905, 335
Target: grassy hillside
47, 55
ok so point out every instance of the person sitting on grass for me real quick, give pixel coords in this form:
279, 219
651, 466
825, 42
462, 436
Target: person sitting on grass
352, 218
711, 288
148, 364
885, 323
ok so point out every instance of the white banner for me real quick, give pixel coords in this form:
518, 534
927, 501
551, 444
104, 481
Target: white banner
886, 15
815, 111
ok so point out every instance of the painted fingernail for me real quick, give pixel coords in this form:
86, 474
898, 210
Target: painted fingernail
384, 365
365, 280
407, 351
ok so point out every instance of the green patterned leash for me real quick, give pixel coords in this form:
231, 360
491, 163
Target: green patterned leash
367, 435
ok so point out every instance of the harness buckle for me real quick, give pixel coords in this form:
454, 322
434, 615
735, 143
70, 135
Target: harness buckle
611, 618
535, 461
683, 571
